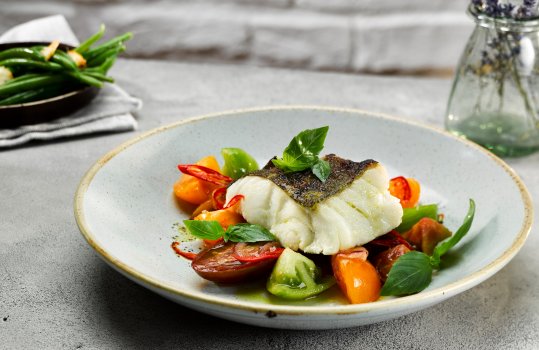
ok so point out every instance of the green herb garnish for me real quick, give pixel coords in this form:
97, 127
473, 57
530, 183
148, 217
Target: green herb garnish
302, 154
412, 272
449, 243
204, 229
236, 233
248, 233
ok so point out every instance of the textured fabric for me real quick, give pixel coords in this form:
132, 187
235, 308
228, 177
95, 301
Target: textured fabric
108, 112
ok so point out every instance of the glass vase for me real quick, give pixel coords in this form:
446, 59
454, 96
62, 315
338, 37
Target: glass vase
495, 95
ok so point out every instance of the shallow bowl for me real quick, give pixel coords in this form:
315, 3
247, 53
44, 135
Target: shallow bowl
125, 209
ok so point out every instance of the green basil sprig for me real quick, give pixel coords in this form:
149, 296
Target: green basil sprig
302, 154
243, 232
412, 272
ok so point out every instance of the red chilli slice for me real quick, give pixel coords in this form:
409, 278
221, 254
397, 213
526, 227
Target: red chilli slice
400, 188
205, 174
234, 200
255, 252
219, 198
176, 247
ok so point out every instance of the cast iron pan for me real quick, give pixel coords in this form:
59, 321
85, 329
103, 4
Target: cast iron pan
48, 109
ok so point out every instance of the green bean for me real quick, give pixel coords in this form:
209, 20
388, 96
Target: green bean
37, 94
109, 62
86, 79
99, 76
63, 59
20, 52
50, 66
102, 57
109, 44
35, 76
30, 84
21, 97
91, 40
23, 77
104, 67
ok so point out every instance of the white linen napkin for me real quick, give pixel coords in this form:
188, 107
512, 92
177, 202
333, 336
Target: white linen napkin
108, 112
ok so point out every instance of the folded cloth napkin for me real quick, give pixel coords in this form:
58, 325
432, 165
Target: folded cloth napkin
110, 111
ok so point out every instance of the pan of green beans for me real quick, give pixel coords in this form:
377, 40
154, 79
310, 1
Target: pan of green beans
43, 81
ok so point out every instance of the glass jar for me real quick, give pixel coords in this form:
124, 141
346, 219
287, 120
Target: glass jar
495, 95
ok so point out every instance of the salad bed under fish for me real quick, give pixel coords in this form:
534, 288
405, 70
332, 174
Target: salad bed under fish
306, 222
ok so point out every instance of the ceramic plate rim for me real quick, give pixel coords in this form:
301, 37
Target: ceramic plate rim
423, 297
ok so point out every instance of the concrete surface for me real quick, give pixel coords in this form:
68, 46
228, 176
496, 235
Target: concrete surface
56, 293
337, 35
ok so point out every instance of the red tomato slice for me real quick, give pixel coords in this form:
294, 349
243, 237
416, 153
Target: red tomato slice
249, 252
205, 174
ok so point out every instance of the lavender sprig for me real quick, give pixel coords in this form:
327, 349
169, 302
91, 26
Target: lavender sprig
501, 9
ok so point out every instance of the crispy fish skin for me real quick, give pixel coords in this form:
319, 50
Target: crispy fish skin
353, 207
306, 189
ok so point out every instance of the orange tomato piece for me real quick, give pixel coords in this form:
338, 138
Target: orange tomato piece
415, 191
357, 278
406, 189
193, 190
226, 217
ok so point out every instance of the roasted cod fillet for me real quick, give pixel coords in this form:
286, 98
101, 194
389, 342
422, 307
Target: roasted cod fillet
351, 208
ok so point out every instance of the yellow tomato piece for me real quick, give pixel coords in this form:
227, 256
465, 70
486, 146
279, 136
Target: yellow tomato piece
357, 278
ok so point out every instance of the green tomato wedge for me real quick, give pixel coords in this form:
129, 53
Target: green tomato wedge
411, 216
237, 162
296, 277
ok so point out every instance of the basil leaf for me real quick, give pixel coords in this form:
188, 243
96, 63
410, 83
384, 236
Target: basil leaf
302, 152
204, 229
411, 273
449, 243
248, 233
321, 170
311, 140
289, 164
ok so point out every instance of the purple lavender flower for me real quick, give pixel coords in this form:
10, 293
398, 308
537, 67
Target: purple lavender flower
525, 9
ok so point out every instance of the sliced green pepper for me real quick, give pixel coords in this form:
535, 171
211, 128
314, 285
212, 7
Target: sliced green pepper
412, 215
237, 162
295, 276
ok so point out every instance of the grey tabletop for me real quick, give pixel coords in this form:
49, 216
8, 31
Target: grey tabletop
56, 293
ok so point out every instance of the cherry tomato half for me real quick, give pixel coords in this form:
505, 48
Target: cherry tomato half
218, 264
406, 189
384, 261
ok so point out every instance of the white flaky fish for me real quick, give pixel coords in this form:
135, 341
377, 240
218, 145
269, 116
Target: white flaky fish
351, 208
